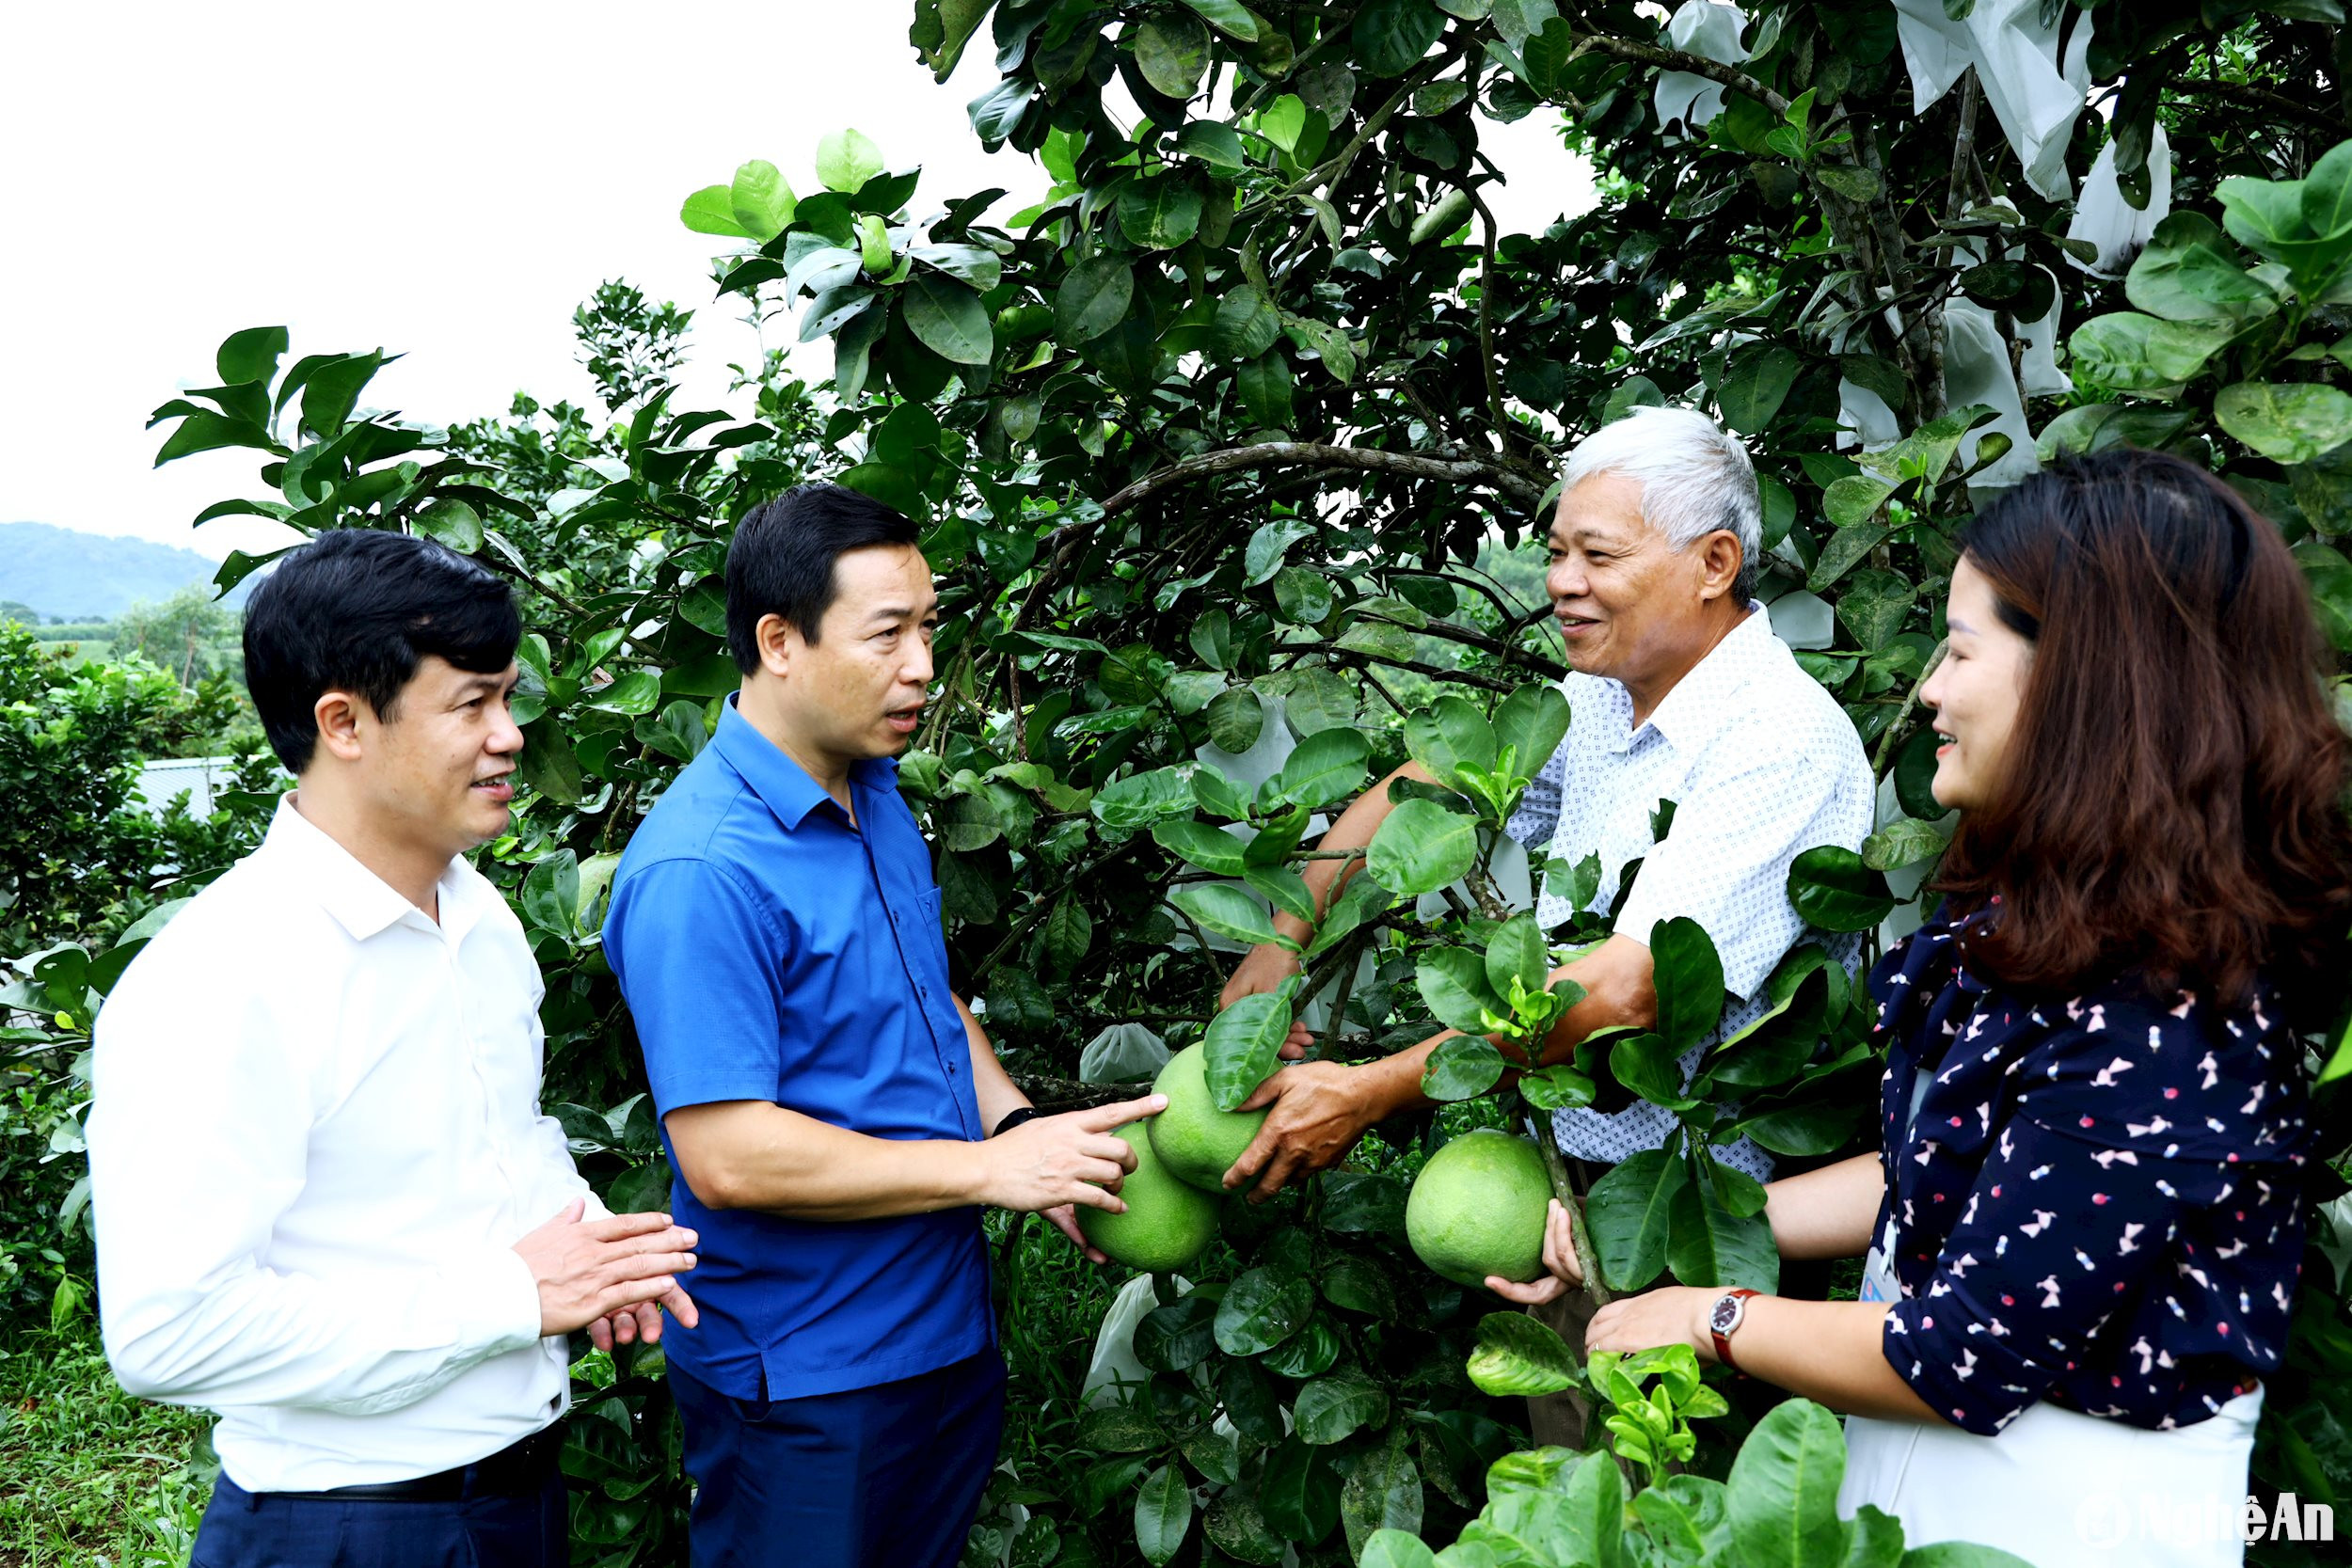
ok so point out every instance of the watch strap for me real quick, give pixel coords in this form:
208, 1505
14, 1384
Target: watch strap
1014, 1118
1723, 1337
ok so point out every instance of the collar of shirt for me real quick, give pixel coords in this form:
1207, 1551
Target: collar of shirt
361, 902
1692, 710
782, 785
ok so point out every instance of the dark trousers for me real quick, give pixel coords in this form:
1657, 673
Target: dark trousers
888, 1475
280, 1529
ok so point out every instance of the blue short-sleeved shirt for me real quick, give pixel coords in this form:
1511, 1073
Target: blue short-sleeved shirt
771, 951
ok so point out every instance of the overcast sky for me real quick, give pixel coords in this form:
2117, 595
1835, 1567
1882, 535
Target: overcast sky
446, 182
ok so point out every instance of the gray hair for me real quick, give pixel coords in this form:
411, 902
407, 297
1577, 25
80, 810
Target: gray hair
1694, 476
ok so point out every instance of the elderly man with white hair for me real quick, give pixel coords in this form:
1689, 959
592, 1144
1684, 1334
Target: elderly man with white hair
1680, 692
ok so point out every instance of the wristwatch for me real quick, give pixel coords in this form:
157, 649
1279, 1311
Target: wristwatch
1014, 1118
1724, 1322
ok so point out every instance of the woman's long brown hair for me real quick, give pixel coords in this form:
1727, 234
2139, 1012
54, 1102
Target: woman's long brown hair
2173, 796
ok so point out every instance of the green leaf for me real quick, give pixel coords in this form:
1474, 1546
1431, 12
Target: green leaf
1847, 548
1421, 847
1712, 1246
1383, 1492
1874, 604
1391, 35
1855, 498
1229, 17
1066, 935
1303, 594
1225, 910
1689, 982
1629, 1213
1283, 888
711, 210
249, 356
1905, 841
1783, 1492
1450, 735
1159, 214
1452, 983
633, 693
1263, 555
1462, 1067
2291, 422
845, 160
1298, 1491
1163, 1514
1258, 1311
1393, 1548
679, 732
1210, 849
551, 894
1234, 719
1519, 1357
1172, 51
1756, 385
760, 202
1244, 326
1516, 950
1265, 384
1651, 1068
1835, 892
1331, 1408
1243, 1044
1213, 143
2329, 576
1328, 766
2326, 201
1533, 722
1310, 1353
1141, 800
948, 318
1093, 298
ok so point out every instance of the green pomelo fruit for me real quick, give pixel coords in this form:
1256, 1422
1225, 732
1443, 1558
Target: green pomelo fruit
1196, 1140
1479, 1209
1167, 1223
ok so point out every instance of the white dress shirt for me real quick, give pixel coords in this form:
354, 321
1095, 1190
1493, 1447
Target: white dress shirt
314, 1143
1762, 764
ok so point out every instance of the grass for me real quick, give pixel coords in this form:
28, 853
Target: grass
89, 1475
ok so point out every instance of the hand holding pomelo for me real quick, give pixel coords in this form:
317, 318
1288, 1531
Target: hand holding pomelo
1197, 1142
1478, 1209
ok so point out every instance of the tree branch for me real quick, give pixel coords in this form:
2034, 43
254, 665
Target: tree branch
2262, 98
1697, 65
1265, 455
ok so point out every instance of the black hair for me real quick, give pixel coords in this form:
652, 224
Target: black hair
781, 560
357, 611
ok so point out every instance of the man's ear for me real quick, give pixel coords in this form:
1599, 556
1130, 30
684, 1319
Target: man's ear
1720, 560
778, 640
338, 715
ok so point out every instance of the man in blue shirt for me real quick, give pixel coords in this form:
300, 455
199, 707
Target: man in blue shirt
826, 1099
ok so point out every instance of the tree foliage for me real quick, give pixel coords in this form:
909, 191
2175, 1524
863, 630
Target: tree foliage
1216, 448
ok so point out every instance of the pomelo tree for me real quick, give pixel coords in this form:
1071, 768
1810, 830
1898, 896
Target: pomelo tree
1224, 450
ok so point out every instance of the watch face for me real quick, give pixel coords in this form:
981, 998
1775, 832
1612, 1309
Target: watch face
1726, 1316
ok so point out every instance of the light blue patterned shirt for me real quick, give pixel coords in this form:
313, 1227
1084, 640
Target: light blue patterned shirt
1762, 764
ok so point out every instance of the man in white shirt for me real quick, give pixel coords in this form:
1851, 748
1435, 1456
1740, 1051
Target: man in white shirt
1679, 691
327, 1204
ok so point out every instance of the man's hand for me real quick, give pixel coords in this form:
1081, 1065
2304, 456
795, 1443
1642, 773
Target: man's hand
641, 1322
589, 1270
1053, 1161
1320, 1109
1560, 1261
1262, 970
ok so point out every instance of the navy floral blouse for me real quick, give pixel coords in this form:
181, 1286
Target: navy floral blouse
2096, 1202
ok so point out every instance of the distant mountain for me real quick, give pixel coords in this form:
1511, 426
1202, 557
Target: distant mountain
62, 574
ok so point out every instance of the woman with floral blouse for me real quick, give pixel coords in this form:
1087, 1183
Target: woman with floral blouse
2084, 1227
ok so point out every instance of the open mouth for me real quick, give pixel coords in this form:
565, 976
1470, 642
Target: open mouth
1945, 742
499, 787
1575, 626
903, 720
